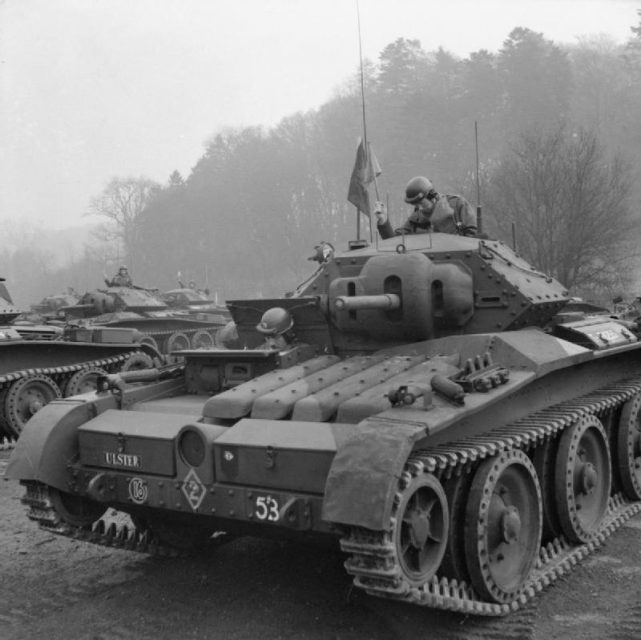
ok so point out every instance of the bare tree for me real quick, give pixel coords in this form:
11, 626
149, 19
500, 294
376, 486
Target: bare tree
121, 202
571, 206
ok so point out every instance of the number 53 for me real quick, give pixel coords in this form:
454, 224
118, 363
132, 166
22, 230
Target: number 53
266, 508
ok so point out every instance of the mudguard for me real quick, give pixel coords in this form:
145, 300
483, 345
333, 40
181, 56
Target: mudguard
364, 474
49, 440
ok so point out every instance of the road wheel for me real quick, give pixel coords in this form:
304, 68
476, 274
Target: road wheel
136, 362
503, 526
202, 339
177, 341
583, 478
25, 398
75, 510
150, 341
628, 448
83, 381
421, 530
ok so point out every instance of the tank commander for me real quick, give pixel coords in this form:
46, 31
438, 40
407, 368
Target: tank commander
432, 212
121, 279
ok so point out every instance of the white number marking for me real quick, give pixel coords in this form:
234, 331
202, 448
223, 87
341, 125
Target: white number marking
266, 508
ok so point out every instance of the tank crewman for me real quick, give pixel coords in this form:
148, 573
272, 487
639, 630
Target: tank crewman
432, 212
121, 279
276, 325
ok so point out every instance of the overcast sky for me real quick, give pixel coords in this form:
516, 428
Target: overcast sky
92, 89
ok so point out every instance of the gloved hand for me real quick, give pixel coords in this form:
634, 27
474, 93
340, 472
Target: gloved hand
380, 213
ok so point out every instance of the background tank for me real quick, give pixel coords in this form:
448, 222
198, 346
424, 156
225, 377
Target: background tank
8, 310
423, 403
50, 307
196, 304
37, 365
144, 310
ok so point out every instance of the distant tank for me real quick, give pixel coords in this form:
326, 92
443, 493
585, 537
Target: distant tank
8, 310
144, 310
50, 307
423, 403
37, 365
196, 304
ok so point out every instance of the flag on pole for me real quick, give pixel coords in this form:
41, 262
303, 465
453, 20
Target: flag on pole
366, 170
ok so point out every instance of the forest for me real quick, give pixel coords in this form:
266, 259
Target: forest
555, 129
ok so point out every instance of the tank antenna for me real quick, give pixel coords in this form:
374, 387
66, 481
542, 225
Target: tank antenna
479, 213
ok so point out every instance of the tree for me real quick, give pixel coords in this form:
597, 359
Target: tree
571, 205
121, 202
536, 76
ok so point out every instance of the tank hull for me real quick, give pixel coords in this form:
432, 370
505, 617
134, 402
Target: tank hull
337, 460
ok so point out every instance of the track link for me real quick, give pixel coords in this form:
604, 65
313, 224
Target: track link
372, 559
109, 364
115, 531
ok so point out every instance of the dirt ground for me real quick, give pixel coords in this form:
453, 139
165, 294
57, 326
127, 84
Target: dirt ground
62, 589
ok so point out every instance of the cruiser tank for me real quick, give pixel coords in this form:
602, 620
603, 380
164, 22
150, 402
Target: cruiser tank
133, 307
38, 363
428, 407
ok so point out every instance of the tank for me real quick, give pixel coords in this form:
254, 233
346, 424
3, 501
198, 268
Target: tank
196, 304
50, 307
429, 409
8, 310
38, 364
144, 310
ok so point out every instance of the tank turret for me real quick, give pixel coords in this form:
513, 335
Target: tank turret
428, 286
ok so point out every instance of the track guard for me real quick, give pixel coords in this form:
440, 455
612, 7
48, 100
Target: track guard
50, 440
364, 474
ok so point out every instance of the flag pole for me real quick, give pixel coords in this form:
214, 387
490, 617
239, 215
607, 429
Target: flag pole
365, 143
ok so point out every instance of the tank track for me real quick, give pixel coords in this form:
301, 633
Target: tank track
114, 532
59, 375
372, 554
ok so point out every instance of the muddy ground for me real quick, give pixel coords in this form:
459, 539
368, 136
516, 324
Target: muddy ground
60, 589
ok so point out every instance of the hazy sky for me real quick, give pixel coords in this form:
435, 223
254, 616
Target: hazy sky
92, 89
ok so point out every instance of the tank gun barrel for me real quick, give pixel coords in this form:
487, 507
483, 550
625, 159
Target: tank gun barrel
381, 301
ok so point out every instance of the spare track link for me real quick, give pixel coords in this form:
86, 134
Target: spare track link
372, 554
103, 532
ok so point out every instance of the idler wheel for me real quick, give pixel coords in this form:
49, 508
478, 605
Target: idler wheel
628, 448
77, 511
583, 478
83, 381
25, 398
503, 526
422, 527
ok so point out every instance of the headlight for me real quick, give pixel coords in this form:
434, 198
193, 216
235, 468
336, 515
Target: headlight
192, 448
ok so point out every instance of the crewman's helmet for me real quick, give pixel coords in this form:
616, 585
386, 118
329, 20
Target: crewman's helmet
228, 336
275, 322
123, 268
417, 189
